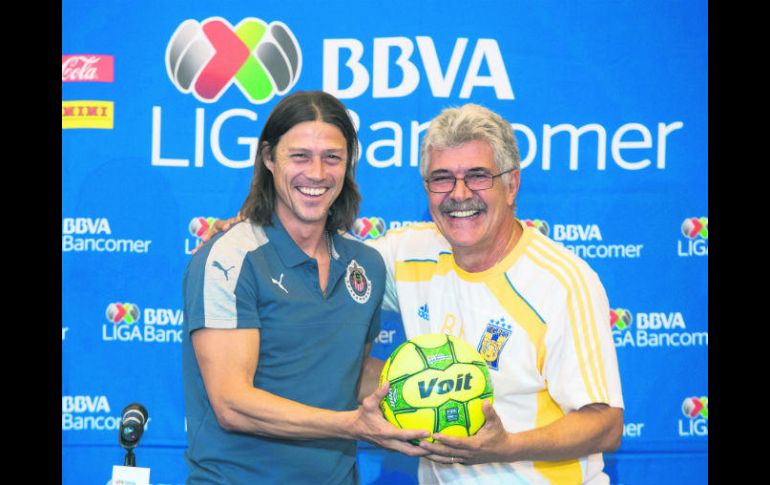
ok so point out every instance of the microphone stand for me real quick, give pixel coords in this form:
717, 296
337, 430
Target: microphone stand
130, 459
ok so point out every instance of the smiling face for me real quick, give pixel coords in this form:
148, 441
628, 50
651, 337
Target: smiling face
308, 166
474, 223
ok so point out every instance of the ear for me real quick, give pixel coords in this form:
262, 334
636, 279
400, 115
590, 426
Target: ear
267, 156
512, 188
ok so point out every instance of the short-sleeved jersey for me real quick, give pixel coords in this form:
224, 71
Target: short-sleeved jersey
311, 348
540, 318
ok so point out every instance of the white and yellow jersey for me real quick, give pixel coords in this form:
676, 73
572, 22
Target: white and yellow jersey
540, 317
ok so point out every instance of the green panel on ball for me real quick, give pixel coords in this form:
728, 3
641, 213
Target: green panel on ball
395, 396
438, 357
452, 413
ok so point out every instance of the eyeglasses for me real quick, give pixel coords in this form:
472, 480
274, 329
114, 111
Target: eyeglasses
442, 184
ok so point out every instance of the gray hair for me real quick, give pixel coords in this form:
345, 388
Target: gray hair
456, 126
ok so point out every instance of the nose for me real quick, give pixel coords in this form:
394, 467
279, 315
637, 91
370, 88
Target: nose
316, 170
461, 191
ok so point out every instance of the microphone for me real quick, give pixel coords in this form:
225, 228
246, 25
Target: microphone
133, 419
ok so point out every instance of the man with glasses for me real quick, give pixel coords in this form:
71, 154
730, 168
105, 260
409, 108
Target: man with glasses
537, 313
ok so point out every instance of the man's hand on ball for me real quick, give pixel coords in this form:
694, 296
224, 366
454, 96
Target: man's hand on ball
370, 425
483, 447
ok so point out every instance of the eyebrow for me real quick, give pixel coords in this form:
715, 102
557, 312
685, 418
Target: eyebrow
326, 150
444, 171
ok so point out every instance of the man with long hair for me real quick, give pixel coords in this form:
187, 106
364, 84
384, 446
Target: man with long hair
280, 312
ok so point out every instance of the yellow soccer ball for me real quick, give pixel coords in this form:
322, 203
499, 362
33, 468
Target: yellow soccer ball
437, 383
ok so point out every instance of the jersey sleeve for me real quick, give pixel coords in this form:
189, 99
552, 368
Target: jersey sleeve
386, 246
220, 289
581, 365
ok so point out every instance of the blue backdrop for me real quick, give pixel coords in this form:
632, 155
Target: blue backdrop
609, 104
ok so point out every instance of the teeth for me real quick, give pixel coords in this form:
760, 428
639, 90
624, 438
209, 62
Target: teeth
467, 213
312, 190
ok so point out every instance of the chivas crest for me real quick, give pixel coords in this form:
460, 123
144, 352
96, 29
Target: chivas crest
358, 284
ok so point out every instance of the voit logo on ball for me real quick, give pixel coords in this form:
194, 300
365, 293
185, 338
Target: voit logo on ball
696, 237
161, 325
696, 413
653, 329
205, 58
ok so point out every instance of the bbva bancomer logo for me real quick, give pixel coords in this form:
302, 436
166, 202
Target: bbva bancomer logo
94, 234
585, 240
205, 58
653, 329
89, 412
82, 413
161, 325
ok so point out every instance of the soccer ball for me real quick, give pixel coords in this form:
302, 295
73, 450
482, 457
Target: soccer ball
437, 383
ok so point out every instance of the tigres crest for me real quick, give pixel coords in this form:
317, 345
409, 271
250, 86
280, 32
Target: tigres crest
492, 342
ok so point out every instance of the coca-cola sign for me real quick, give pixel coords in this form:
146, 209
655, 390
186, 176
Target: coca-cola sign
87, 68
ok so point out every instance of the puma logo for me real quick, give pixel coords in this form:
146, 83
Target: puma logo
225, 271
279, 282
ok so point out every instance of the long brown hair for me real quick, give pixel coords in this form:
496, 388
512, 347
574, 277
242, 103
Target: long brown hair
292, 110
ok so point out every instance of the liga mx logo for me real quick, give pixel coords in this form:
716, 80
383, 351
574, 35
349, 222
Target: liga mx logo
696, 230
696, 227
620, 319
696, 412
696, 407
119, 313
200, 225
541, 226
205, 58
368, 228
